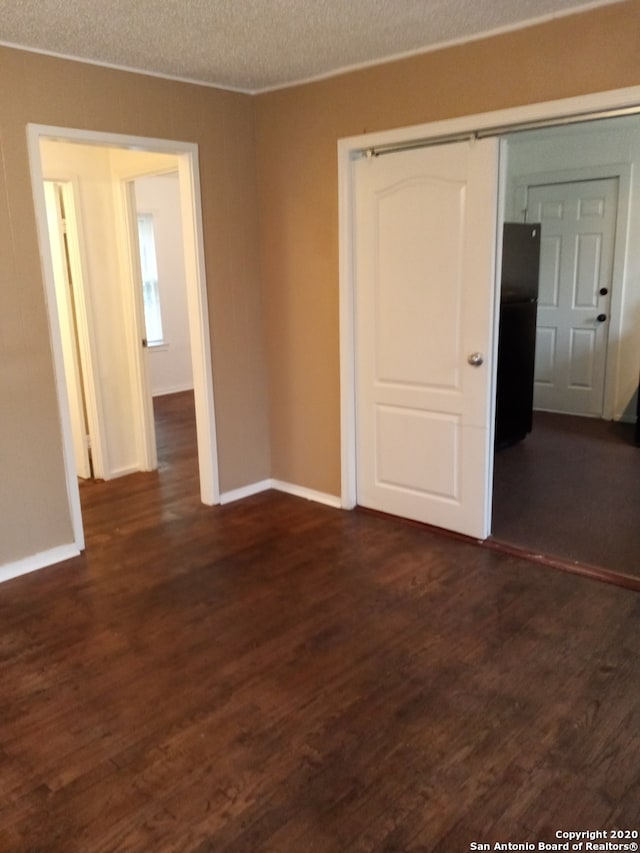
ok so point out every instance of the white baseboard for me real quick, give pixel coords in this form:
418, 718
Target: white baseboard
280, 486
66, 552
245, 491
176, 389
121, 472
308, 494
37, 561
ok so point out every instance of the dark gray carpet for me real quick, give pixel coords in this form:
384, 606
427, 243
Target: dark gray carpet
571, 489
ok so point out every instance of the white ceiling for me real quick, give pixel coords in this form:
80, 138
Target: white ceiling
254, 45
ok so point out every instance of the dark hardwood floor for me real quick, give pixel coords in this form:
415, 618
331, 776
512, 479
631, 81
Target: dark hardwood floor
276, 675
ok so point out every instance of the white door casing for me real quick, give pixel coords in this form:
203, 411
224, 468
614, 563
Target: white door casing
576, 275
141, 399
425, 237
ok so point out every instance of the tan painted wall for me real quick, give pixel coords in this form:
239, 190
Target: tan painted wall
33, 506
297, 131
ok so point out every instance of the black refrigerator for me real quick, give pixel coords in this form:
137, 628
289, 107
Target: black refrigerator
517, 331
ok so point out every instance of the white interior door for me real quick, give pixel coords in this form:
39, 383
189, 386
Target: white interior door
576, 265
424, 268
68, 332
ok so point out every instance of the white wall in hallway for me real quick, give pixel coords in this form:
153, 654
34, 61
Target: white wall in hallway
170, 364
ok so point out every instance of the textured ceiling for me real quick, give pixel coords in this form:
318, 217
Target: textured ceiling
253, 45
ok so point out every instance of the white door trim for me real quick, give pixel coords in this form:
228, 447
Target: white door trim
197, 305
612, 408
348, 148
124, 192
187, 154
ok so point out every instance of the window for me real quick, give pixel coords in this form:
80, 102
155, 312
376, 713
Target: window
150, 292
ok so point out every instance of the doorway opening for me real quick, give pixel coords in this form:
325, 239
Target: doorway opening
156, 224
103, 319
570, 490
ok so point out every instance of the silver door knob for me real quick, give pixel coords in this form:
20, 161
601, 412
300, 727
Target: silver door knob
475, 359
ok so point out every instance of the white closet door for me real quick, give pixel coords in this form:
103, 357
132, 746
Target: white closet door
425, 271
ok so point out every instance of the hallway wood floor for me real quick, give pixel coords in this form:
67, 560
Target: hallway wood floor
571, 489
276, 675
